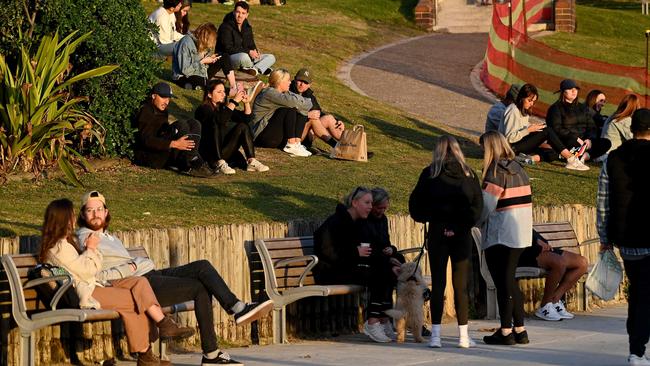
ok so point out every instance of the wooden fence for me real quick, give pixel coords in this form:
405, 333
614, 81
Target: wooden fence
226, 247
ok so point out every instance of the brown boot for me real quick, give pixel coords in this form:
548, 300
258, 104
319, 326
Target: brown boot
149, 359
168, 329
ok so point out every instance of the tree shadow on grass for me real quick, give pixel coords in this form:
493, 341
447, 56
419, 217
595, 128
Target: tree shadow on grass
611, 4
407, 9
7, 232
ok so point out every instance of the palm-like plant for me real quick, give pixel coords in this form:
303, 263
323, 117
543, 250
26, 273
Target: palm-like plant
41, 122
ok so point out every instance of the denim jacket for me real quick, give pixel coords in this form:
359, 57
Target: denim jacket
186, 60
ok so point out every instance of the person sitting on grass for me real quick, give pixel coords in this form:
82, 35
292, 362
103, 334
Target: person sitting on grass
221, 144
563, 268
496, 112
318, 123
236, 40
183, 17
196, 281
167, 35
161, 144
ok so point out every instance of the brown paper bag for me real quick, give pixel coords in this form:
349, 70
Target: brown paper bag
352, 145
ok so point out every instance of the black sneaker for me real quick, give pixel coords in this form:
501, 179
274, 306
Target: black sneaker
221, 359
426, 332
499, 339
521, 338
268, 71
249, 70
202, 171
253, 311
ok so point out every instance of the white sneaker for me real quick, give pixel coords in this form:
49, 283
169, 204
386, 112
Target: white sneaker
375, 332
224, 168
574, 163
466, 342
434, 342
255, 166
388, 330
304, 148
561, 311
296, 150
548, 312
636, 360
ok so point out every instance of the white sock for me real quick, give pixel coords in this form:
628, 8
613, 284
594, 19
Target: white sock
463, 331
238, 307
435, 330
212, 355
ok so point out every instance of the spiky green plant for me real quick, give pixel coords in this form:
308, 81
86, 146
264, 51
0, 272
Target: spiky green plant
42, 123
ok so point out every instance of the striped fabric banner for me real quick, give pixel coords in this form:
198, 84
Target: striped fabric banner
513, 57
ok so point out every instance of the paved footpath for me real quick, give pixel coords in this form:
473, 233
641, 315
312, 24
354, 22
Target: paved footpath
596, 338
427, 76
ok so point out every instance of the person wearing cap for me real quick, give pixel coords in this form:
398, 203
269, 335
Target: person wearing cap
322, 125
622, 219
496, 112
573, 124
165, 19
236, 40
198, 281
160, 144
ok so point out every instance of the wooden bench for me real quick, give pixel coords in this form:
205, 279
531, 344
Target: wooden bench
31, 315
558, 235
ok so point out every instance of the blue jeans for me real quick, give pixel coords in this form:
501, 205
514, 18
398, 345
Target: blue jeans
243, 60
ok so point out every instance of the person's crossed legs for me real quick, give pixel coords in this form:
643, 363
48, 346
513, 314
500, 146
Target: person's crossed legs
563, 272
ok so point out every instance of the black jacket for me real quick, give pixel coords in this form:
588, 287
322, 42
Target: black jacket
629, 194
571, 121
230, 40
215, 125
307, 94
375, 232
335, 245
451, 200
153, 137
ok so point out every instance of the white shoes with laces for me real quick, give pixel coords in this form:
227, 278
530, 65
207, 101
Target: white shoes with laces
548, 312
638, 361
296, 149
561, 311
376, 332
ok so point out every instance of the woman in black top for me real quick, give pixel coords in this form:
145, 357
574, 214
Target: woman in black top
448, 196
220, 144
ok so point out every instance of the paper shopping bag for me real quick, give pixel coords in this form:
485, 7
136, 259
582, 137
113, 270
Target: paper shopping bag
352, 145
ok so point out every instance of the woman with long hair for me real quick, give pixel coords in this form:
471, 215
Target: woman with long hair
595, 100
507, 232
194, 60
274, 120
183, 17
131, 297
219, 143
448, 197
617, 129
344, 258
528, 138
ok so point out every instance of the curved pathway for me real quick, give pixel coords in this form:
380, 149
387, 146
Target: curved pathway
430, 76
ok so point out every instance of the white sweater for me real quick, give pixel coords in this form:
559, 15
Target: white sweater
166, 26
514, 125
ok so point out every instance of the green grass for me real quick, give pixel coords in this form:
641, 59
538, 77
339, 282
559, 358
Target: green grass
321, 34
608, 31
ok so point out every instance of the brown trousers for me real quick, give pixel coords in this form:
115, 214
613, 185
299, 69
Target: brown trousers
130, 297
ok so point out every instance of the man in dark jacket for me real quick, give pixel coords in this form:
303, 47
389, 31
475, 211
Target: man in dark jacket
623, 201
236, 39
161, 144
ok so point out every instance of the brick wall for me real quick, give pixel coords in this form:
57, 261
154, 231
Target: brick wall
425, 14
565, 16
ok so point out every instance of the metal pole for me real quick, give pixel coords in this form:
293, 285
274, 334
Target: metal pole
647, 39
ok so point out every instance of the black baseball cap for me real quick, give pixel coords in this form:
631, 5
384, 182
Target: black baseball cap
163, 89
567, 84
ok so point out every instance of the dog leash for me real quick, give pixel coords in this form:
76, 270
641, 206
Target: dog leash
419, 256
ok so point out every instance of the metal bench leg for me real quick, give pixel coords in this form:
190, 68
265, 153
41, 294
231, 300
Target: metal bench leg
279, 325
27, 349
492, 304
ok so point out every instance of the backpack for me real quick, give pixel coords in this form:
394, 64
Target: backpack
48, 290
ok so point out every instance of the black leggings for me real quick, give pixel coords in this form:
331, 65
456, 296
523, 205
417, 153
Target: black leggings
216, 147
282, 126
529, 144
441, 249
381, 283
193, 81
180, 158
502, 263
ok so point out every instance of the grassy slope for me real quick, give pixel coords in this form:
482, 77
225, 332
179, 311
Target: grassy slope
321, 34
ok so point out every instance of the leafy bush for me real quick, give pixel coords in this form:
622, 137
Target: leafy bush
120, 36
40, 123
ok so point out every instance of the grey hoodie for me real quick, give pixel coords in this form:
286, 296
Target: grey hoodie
269, 100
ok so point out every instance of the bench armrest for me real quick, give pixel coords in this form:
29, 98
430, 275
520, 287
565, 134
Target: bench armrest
409, 250
312, 259
59, 293
590, 241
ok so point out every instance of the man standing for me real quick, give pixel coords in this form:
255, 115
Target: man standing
623, 201
236, 39
161, 144
197, 281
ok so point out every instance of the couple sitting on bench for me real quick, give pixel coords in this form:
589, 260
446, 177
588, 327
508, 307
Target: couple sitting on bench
106, 276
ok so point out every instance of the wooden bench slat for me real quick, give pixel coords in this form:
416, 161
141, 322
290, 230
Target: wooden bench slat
555, 226
290, 253
560, 235
290, 271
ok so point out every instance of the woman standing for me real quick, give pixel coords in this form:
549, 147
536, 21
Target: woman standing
617, 129
508, 231
131, 297
219, 145
448, 197
274, 116
343, 258
525, 137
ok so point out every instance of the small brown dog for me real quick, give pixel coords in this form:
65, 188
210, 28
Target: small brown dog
408, 309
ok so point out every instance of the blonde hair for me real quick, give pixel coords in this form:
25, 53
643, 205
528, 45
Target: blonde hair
447, 145
357, 193
495, 148
206, 37
277, 76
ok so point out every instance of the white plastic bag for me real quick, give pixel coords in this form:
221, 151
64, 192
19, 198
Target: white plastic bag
606, 276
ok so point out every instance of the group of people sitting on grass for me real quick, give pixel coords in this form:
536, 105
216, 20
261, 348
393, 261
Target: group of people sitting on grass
284, 115
448, 196
573, 131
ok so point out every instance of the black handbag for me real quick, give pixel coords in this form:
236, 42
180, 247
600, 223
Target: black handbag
58, 292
